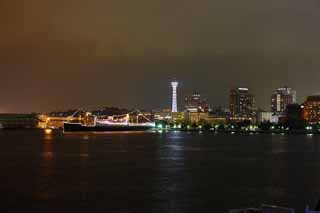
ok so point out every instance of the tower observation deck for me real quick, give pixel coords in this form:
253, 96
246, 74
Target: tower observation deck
174, 85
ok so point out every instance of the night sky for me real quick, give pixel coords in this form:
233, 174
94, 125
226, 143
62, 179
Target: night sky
59, 54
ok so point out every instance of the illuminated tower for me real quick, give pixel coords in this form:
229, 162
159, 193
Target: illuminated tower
174, 85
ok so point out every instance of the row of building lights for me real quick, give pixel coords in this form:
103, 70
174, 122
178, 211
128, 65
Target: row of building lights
242, 105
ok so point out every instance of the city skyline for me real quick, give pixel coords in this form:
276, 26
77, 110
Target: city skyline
102, 53
180, 96
160, 106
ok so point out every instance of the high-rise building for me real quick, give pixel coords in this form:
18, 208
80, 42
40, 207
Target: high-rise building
294, 116
174, 86
281, 98
242, 103
311, 109
195, 103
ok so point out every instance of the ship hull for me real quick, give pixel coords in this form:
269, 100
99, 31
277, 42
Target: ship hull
73, 127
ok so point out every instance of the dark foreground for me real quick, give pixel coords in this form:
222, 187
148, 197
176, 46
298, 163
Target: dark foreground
156, 172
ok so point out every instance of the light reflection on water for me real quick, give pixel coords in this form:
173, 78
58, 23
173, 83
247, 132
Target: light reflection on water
85, 137
46, 168
48, 136
166, 187
161, 172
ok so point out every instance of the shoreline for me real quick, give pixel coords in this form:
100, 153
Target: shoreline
235, 131
227, 131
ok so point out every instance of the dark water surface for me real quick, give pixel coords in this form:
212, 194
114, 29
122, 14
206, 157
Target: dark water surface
155, 172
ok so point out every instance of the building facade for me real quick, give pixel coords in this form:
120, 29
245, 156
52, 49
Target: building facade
311, 109
195, 103
18, 121
281, 98
263, 117
293, 116
195, 117
162, 115
203, 117
242, 103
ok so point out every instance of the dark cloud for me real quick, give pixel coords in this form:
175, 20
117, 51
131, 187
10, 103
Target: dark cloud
70, 53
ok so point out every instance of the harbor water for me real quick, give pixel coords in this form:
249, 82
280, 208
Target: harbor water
156, 171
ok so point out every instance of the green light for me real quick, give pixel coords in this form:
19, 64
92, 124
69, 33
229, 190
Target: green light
309, 128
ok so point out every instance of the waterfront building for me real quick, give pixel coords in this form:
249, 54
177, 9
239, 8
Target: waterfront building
194, 103
18, 121
242, 104
177, 117
281, 98
311, 109
52, 122
294, 116
174, 86
263, 117
238, 120
163, 115
195, 117
216, 120
203, 117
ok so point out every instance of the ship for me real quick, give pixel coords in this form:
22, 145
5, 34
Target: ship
116, 123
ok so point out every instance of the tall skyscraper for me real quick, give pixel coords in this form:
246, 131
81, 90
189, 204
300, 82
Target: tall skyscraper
281, 98
195, 103
242, 103
174, 85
